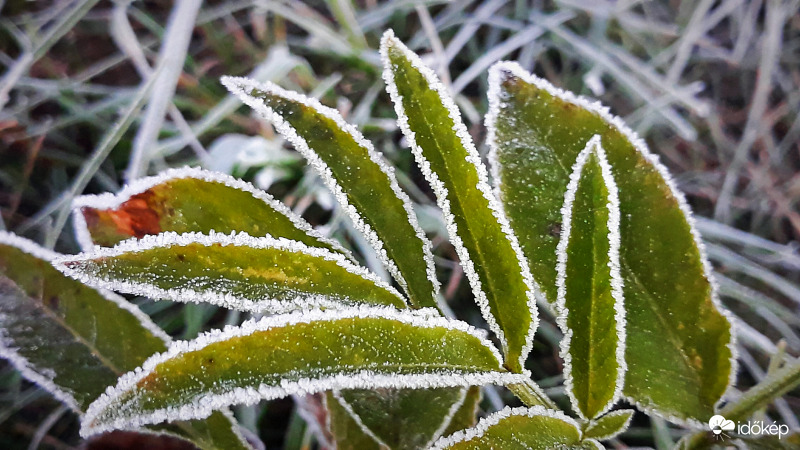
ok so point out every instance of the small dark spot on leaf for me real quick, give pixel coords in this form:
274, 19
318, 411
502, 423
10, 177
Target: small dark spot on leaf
554, 229
53, 302
181, 257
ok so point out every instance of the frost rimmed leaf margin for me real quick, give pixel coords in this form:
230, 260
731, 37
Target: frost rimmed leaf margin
354, 415
38, 375
595, 107
441, 191
112, 201
364, 379
239, 86
44, 376
593, 147
495, 419
67, 264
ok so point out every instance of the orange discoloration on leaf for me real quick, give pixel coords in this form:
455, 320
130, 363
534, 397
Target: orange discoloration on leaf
137, 217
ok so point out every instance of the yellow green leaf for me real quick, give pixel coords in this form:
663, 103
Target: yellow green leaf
609, 425
188, 200
299, 353
361, 179
590, 303
236, 271
520, 428
486, 246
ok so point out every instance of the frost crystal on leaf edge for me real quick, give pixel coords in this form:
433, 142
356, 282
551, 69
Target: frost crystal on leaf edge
424, 318
512, 67
111, 201
172, 239
593, 147
534, 292
237, 86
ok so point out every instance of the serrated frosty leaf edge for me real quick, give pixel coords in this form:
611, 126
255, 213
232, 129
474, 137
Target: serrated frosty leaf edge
172, 239
37, 375
592, 147
493, 419
613, 413
423, 318
237, 86
442, 193
110, 201
495, 77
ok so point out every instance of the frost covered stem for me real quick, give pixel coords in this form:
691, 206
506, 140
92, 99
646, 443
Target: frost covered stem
531, 395
773, 386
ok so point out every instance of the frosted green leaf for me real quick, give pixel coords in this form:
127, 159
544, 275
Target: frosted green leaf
402, 419
188, 200
609, 425
590, 305
488, 250
466, 415
520, 428
679, 347
361, 179
236, 271
347, 433
299, 353
73, 340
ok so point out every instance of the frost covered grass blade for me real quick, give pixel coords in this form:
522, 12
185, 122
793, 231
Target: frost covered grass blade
680, 346
188, 200
591, 310
361, 179
299, 353
486, 245
237, 271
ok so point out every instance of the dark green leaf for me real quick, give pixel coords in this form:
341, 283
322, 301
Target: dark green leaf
402, 419
480, 233
235, 271
679, 344
74, 341
300, 353
361, 179
590, 305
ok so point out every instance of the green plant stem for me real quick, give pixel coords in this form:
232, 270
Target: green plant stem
774, 385
531, 395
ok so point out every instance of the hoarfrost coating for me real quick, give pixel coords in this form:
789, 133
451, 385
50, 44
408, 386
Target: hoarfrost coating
497, 73
138, 186
442, 193
70, 265
424, 318
238, 87
593, 147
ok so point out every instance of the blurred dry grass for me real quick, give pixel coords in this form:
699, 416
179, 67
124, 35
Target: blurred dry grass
713, 86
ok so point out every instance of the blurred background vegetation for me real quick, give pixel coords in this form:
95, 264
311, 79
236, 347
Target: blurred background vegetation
94, 93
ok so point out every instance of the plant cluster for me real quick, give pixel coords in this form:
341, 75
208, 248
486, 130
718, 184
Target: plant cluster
582, 222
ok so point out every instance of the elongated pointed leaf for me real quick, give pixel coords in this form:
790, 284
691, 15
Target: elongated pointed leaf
610, 425
299, 353
520, 428
188, 200
679, 346
361, 179
235, 271
487, 247
74, 341
402, 419
590, 304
